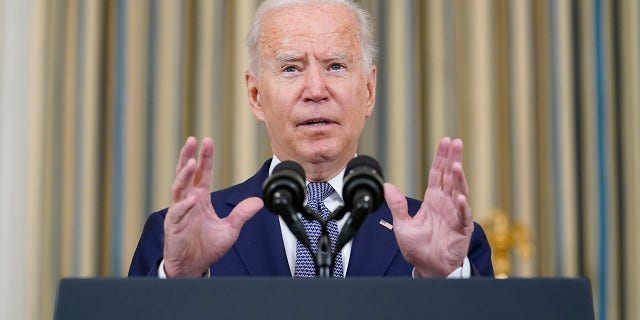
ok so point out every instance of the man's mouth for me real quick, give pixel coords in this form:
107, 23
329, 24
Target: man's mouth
316, 122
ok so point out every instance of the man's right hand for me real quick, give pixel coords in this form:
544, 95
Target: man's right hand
194, 236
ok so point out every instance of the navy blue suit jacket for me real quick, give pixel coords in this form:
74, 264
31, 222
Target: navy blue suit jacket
259, 250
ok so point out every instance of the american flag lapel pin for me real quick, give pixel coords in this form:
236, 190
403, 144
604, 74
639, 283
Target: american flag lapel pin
386, 224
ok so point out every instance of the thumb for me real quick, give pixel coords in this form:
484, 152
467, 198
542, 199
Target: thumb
244, 211
397, 203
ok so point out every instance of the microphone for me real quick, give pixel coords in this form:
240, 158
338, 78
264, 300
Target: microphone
363, 192
283, 193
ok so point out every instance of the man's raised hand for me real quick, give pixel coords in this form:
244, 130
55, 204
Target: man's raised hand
194, 236
435, 241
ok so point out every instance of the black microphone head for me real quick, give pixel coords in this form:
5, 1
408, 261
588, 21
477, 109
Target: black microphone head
286, 179
364, 161
363, 173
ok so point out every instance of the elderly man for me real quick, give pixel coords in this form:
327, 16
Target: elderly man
312, 82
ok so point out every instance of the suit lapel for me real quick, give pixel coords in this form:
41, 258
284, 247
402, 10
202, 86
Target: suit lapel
374, 246
260, 245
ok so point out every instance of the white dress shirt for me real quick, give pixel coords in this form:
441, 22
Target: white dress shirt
333, 201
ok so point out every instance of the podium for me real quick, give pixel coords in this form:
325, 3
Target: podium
351, 298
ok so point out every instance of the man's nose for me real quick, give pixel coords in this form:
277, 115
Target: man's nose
315, 85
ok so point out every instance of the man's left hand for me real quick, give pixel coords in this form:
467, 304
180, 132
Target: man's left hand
435, 241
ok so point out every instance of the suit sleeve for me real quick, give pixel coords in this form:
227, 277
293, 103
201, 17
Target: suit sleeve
480, 253
148, 254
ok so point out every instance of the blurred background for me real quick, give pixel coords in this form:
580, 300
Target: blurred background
97, 97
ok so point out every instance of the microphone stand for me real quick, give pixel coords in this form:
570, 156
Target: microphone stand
324, 258
283, 194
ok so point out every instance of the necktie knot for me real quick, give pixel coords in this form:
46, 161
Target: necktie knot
316, 193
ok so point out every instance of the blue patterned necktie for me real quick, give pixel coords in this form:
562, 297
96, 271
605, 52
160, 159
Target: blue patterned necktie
305, 266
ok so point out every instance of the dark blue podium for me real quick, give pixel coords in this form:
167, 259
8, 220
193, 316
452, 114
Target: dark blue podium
352, 298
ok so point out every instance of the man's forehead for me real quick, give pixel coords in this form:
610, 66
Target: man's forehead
311, 8
310, 19
294, 28
291, 48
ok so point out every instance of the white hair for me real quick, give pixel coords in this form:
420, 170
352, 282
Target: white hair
368, 47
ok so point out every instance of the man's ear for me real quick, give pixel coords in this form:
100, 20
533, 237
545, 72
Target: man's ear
253, 90
371, 90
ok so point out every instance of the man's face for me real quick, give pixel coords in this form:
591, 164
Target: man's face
312, 90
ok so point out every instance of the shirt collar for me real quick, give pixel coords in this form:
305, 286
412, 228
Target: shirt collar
336, 182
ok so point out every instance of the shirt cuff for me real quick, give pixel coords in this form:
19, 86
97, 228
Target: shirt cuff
463, 272
163, 275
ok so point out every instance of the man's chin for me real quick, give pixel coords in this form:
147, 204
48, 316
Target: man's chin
317, 155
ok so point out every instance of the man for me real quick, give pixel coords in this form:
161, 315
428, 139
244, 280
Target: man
312, 82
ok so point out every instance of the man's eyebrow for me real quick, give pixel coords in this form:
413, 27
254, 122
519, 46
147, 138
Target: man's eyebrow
286, 58
340, 56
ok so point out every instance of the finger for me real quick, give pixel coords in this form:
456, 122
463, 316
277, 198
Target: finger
464, 213
244, 211
459, 181
454, 155
187, 152
179, 209
397, 203
437, 166
456, 150
204, 173
182, 181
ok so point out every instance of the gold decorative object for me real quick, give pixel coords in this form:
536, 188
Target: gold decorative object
505, 237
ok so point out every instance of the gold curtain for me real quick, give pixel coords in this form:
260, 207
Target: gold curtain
96, 98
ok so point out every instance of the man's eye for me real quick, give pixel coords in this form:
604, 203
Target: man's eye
290, 69
335, 66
